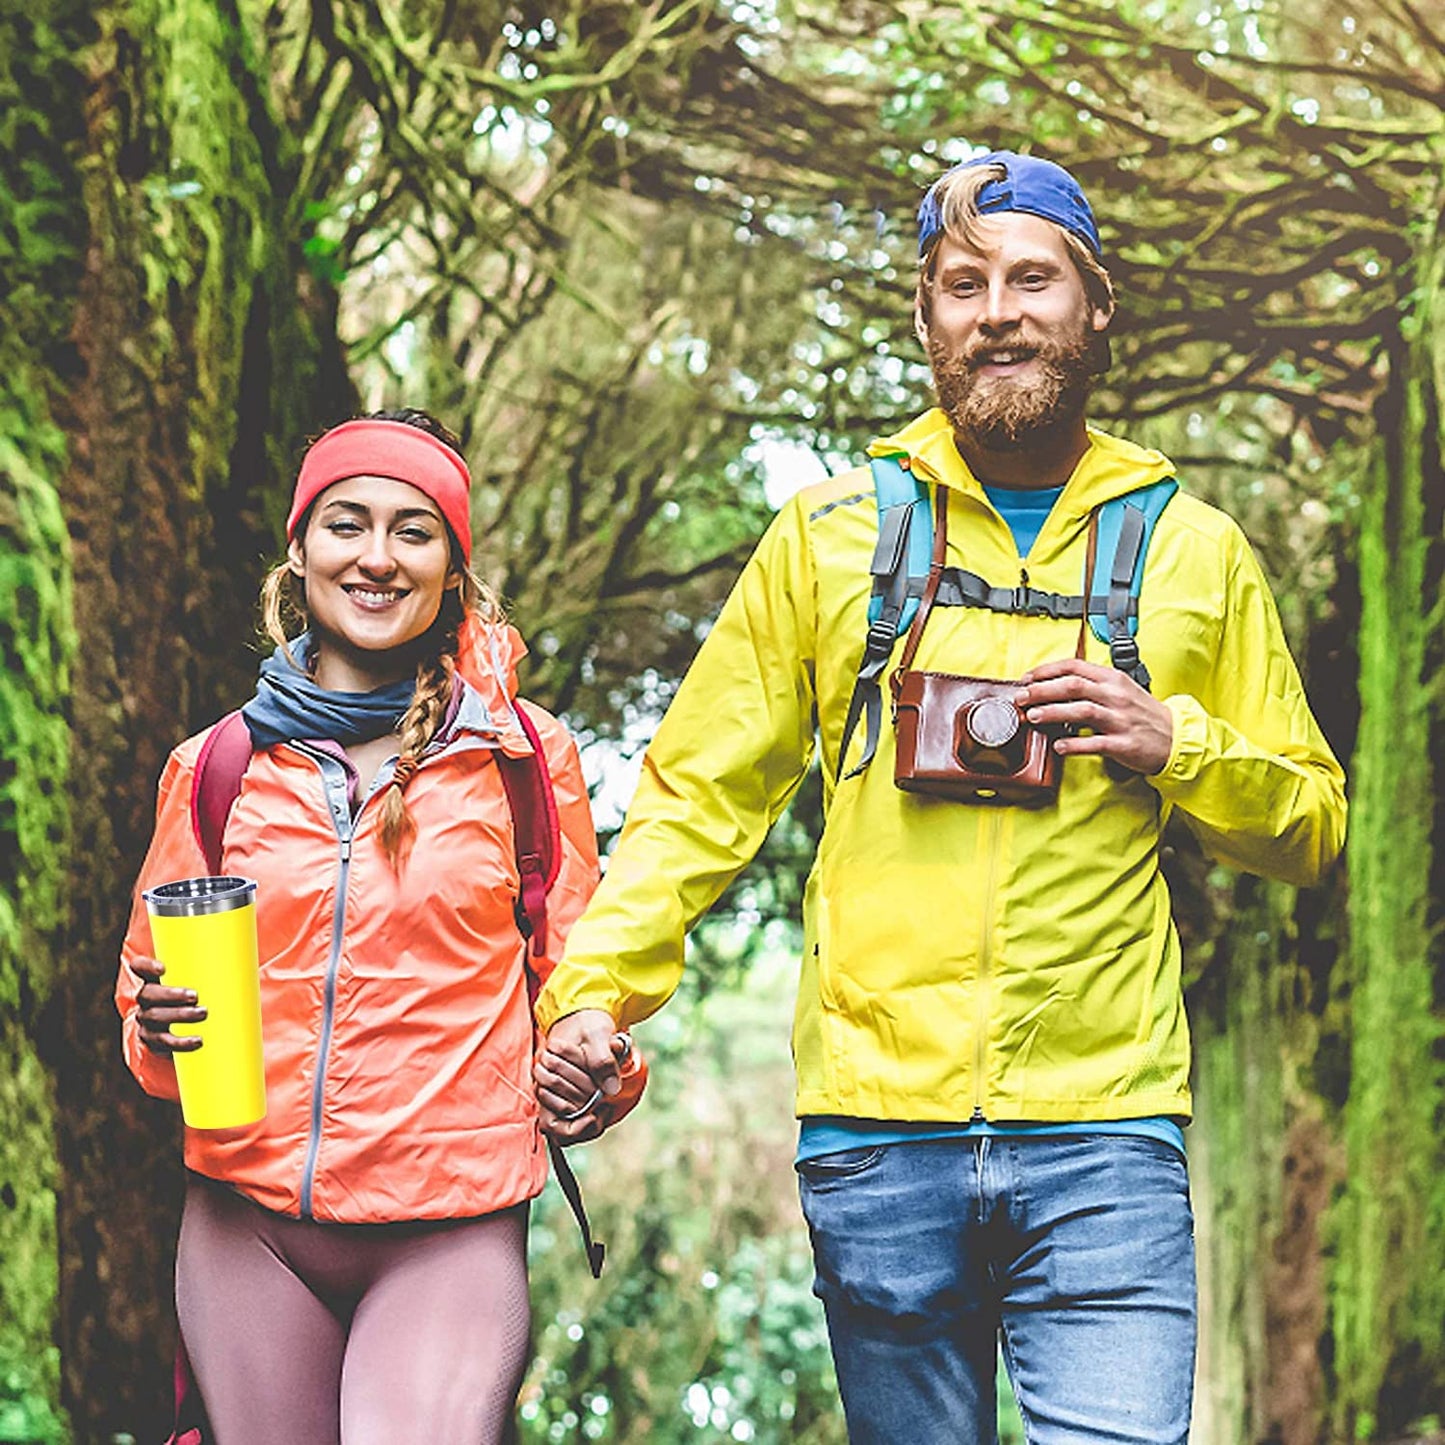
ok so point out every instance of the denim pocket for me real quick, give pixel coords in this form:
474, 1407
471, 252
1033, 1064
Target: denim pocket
840, 1164
1157, 1150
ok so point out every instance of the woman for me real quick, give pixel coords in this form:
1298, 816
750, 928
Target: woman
352, 1268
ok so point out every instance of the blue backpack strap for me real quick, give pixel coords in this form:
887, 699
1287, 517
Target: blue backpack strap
900, 498
900, 568
1125, 525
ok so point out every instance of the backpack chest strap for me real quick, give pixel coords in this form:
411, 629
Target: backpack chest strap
1119, 533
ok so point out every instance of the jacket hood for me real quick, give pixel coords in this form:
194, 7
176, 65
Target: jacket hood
487, 658
1110, 467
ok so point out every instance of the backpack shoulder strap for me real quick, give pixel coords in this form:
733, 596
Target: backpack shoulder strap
537, 835
1125, 526
216, 784
900, 569
536, 831
904, 549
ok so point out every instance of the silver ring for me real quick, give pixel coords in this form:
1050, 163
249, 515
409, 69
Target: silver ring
585, 1109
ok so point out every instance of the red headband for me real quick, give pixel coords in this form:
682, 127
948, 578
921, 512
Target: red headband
374, 448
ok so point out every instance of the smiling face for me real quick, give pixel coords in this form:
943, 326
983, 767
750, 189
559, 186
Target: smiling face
375, 558
1010, 330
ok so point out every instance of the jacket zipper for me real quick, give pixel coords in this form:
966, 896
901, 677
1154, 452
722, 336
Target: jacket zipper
328, 1019
993, 826
341, 819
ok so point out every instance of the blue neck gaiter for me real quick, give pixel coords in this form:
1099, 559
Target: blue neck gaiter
289, 706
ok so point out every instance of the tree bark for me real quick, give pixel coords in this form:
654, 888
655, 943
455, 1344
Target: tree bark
203, 356
42, 228
1389, 1303
1264, 1166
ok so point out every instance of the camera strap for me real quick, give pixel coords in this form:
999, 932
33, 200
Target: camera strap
935, 575
930, 591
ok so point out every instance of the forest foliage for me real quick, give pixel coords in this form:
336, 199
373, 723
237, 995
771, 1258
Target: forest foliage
654, 263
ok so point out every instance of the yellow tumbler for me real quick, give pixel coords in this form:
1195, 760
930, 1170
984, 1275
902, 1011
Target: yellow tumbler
204, 930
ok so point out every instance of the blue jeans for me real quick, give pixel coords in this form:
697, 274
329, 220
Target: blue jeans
1079, 1250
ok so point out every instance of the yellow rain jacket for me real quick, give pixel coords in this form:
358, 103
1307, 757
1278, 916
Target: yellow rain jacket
962, 959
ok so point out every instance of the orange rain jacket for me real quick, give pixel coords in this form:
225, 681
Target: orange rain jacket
397, 1028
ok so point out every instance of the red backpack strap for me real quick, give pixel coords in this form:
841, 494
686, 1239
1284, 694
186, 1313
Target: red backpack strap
536, 832
216, 785
190, 1426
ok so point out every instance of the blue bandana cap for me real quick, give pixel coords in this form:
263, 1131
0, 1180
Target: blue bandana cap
1036, 186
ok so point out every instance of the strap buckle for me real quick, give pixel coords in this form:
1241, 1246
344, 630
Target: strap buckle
881, 637
1031, 602
1124, 652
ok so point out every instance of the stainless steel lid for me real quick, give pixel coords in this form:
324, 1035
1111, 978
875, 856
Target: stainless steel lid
192, 897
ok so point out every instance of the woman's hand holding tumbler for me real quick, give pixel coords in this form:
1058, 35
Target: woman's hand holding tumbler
158, 1007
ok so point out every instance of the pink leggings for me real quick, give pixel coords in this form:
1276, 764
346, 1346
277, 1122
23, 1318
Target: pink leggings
351, 1334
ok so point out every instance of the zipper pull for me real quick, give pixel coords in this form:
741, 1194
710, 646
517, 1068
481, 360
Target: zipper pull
977, 1116
346, 850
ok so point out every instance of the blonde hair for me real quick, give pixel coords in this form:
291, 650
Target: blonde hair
283, 603
957, 196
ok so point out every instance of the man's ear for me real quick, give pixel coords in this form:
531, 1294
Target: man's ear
296, 557
920, 326
1101, 354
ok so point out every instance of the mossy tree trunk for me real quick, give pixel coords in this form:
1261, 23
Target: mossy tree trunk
1317, 1151
203, 353
1389, 1231
1264, 1165
42, 229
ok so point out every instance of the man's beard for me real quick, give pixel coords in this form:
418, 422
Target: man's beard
1003, 414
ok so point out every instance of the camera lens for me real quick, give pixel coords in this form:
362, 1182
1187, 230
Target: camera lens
992, 722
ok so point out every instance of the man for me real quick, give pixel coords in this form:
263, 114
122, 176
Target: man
990, 1038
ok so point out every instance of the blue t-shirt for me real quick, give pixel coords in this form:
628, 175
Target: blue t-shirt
1025, 510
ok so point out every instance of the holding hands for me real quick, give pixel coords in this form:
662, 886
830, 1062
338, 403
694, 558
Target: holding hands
587, 1077
1109, 714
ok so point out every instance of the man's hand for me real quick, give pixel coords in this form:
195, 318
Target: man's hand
1122, 722
159, 1007
577, 1070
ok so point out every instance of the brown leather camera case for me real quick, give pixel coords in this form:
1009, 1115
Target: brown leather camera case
938, 754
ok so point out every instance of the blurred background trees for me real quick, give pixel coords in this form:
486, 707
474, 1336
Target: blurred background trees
654, 262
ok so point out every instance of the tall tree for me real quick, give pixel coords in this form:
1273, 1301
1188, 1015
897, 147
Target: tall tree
200, 349
41, 231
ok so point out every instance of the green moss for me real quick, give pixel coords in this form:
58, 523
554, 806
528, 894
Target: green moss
29, 1361
41, 236
35, 645
1386, 1306
207, 207
1243, 1046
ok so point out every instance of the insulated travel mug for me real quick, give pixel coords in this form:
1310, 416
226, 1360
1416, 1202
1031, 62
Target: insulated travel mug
204, 931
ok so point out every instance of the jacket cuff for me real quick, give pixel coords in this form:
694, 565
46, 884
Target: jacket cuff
1186, 752
156, 1075
550, 1007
